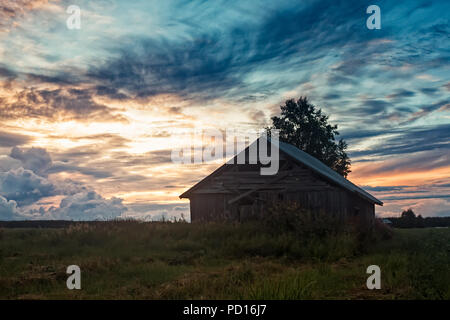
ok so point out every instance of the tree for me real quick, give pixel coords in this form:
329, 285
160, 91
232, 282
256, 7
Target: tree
409, 218
408, 214
420, 222
306, 127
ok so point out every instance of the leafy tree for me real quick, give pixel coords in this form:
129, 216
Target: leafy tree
409, 219
306, 127
408, 214
420, 222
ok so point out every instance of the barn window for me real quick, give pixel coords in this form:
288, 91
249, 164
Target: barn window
356, 211
280, 196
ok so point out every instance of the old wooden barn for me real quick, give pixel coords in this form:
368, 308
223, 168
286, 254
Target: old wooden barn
239, 191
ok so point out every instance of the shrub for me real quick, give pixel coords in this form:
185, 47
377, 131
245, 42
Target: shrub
292, 218
382, 230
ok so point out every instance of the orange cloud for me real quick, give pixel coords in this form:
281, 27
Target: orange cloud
364, 175
12, 10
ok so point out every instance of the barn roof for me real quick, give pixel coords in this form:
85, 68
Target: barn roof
307, 160
325, 171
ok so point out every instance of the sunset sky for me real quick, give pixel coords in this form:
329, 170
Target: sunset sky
89, 116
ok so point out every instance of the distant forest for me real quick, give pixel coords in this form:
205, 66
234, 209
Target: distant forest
397, 222
408, 219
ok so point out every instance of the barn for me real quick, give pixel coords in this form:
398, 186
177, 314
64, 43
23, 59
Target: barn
236, 192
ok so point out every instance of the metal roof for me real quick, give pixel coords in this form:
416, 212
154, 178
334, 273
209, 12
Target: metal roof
323, 170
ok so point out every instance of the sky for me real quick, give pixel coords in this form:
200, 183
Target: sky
89, 116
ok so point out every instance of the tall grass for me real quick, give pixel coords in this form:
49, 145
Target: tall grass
254, 260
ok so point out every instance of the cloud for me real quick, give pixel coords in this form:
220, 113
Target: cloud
413, 140
424, 111
384, 188
94, 172
13, 10
156, 212
424, 207
8, 209
57, 104
429, 91
27, 187
210, 62
8, 163
371, 107
88, 206
421, 161
7, 73
226, 55
332, 96
402, 93
24, 186
35, 159
8, 139
439, 196
150, 67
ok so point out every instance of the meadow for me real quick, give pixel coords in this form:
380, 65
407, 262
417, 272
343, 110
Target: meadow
164, 260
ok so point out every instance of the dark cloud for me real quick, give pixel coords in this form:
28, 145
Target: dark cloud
58, 104
414, 140
24, 186
403, 93
429, 91
110, 92
352, 134
89, 171
332, 96
35, 159
370, 108
384, 188
351, 66
215, 63
438, 196
7, 73
151, 67
420, 161
8, 139
424, 111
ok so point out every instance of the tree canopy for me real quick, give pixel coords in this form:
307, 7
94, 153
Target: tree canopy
408, 214
303, 125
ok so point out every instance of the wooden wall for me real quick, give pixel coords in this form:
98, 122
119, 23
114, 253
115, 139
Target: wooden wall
293, 182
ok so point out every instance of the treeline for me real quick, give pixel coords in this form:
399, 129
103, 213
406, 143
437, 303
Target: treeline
46, 223
408, 219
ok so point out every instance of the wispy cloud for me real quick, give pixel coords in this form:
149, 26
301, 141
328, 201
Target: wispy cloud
98, 104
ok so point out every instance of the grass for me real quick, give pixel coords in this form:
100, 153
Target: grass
132, 260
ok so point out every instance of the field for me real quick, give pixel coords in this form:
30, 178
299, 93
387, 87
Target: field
132, 260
